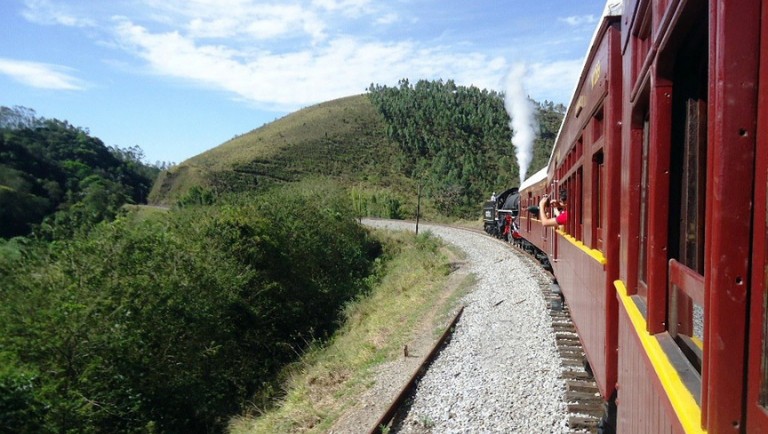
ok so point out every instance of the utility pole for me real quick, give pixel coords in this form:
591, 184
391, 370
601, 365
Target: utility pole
418, 209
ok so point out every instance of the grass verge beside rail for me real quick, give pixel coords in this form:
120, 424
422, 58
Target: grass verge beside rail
329, 379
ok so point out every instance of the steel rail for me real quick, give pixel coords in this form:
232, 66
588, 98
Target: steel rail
387, 417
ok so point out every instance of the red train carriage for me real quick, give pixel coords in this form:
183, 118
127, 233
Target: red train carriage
664, 258
589, 138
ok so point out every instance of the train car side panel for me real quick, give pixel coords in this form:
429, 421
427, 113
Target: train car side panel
733, 96
587, 153
757, 381
581, 276
652, 395
640, 410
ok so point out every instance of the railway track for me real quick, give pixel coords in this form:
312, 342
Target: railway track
385, 421
584, 403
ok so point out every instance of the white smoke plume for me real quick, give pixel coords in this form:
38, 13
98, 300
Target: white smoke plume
523, 122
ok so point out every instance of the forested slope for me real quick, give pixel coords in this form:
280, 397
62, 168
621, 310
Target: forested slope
177, 322
56, 177
454, 141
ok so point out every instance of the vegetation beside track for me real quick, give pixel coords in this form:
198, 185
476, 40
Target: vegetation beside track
175, 321
330, 379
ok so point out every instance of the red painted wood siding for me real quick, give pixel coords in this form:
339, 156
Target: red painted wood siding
642, 403
583, 282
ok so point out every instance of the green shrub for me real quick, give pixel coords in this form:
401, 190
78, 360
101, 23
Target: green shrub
20, 411
173, 324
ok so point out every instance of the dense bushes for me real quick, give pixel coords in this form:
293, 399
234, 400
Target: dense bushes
172, 324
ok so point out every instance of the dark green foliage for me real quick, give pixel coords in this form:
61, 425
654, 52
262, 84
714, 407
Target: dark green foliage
53, 172
456, 140
20, 411
197, 196
550, 116
453, 138
173, 323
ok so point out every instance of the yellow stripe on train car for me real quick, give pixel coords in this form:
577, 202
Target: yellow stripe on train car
595, 254
683, 402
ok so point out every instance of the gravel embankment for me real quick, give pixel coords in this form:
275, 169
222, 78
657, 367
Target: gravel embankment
500, 373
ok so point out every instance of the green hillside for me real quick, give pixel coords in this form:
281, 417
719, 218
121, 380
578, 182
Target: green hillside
56, 178
452, 140
343, 139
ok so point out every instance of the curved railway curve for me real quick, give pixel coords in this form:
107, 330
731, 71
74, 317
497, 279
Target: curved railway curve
514, 363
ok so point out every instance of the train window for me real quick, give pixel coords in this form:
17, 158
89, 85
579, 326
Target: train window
598, 188
578, 194
528, 215
642, 263
598, 127
687, 195
642, 40
579, 148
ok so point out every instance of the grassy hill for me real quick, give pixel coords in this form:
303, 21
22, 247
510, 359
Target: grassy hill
343, 139
453, 140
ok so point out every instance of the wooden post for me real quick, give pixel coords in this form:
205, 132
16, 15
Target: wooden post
418, 209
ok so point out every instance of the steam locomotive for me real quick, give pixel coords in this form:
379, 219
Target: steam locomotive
664, 257
500, 215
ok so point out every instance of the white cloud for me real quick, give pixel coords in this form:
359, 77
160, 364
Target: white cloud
340, 67
577, 20
234, 18
288, 54
388, 19
551, 80
348, 7
45, 12
39, 75
261, 23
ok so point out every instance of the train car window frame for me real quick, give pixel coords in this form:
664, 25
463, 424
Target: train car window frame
757, 409
763, 390
641, 42
760, 281
577, 227
598, 201
686, 65
642, 249
598, 125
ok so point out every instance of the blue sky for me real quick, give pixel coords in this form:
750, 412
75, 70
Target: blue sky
178, 77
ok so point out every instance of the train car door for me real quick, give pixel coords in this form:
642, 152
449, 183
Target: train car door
757, 379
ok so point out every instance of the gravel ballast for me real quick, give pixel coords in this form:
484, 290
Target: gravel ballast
500, 372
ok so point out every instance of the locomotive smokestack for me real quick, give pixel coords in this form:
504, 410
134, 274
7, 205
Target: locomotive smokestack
523, 123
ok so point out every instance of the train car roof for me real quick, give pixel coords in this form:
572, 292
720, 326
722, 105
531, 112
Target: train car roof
613, 8
534, 179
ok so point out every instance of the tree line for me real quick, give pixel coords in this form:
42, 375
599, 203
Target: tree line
456, 140
55, 177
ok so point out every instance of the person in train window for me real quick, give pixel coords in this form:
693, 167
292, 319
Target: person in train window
559, 211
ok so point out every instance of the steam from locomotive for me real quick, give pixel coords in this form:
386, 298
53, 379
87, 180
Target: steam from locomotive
521, 112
